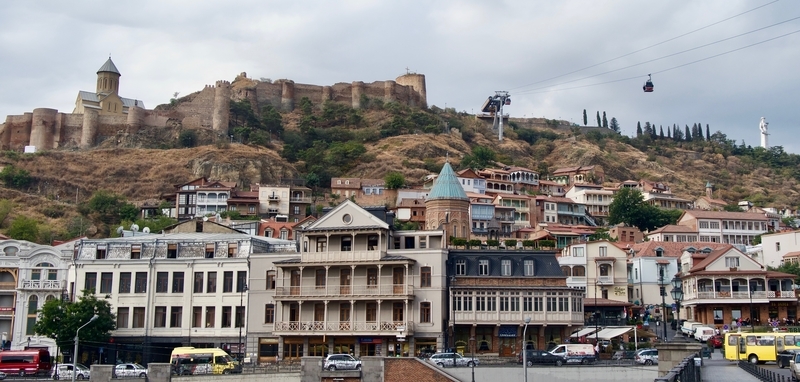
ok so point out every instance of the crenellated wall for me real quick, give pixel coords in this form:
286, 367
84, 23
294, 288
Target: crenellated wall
207, 109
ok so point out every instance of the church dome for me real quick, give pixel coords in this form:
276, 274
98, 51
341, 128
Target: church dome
447, 186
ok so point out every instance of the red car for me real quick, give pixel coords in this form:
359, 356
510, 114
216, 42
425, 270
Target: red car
716, 341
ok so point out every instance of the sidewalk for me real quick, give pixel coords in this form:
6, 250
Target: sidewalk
722, 370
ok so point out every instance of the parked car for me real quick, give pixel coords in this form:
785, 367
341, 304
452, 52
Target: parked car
446, 360
647, 357
130, 370
3, 375
64, 371
794, 367
540, 357
335, 362
716, 341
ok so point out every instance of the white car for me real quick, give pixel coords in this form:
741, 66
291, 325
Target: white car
64, 371
130, 370
446, 360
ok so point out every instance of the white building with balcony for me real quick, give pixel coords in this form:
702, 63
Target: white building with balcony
358, 287
725, 285
30, 274
725, 227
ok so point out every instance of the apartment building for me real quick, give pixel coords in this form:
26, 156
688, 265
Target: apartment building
358, 287
170, 290
31, 274
725, 227
595, 198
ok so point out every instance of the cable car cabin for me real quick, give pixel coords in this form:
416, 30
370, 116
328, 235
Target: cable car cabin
648, 86
508, 101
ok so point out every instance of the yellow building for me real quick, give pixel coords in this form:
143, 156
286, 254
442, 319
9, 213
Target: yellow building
106, 99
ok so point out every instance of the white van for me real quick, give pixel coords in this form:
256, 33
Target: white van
703, 333
575, 353
688, 327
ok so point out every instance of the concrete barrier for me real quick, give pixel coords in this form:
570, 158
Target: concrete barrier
558, 374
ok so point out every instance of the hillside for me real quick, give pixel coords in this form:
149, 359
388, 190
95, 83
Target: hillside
145, 167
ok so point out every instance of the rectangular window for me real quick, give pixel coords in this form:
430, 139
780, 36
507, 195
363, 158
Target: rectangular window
175, 317
527, 304
162, 282
425, 312
528, 267
732, 262
551, 304
397, 312
372, 277
172, 251
140, 285
125, 282
106, 280
603, 251
240, 311
232, 249
122, 318
480, 303
211, 314
505, 304
538, 304
197, 316
177, 282
136, 251
227, 282
425, 277
90, 283
138, 317
322, 244
198, 282
226, 317
320, 279
241, 281
160, 320
514, 303
577, 251
210, 249
461, 267
211, 283
270, 280
483, 267
563, 304
101, 252
505, 267
269, 313
372, 312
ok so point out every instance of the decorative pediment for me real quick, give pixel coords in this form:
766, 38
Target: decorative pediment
347, 214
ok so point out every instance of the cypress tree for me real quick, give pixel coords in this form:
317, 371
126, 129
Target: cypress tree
598, 119
661, 133
585, 121
708, 136
638, 129
605, 121
688, 134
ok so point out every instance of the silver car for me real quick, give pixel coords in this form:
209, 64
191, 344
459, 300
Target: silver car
647, 357
335, 362
129, 370
447, 359
64, 371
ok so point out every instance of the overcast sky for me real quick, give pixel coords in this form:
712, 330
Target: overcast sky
467, 50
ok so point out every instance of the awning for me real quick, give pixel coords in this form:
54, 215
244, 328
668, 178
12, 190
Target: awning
609, 333
583, 332
508, 331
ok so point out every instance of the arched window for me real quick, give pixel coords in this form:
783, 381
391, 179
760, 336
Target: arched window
566, 270
579, 271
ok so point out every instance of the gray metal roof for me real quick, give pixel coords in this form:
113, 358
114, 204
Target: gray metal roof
109, 67
447, 186
93, 97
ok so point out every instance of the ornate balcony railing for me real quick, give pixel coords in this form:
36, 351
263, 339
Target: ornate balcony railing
741, 295
310, 327
42, 284
346, 290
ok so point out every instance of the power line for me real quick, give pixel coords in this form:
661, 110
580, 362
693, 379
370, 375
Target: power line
648, 47
662, 57
668, 69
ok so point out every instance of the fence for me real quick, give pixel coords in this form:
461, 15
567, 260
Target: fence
762, 373
686, 371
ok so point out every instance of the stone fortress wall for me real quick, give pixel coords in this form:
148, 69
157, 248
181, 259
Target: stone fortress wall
207, 109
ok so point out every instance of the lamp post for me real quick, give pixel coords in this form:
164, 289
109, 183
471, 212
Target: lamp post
241, 320
677, 295
453, 281
472, 346
525, 350
75, 354
663, 291
750, 287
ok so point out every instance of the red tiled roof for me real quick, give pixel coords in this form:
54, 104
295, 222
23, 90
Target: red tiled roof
673, 229
791, 254
670, 248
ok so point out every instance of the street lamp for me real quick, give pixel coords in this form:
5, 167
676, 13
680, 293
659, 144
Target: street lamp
75, 354
677, 295
472, 345
750, 287
525, 350
241, 319
663, 291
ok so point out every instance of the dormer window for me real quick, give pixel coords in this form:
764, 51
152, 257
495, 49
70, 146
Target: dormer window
659, 252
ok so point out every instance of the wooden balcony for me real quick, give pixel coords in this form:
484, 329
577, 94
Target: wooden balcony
384, 328
8, 285
341, 256
345, 291
6, 311
743, 295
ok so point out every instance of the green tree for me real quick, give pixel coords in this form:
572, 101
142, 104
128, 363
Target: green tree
271, 120
5, 209
24, 228
109, 207
788, 267
60, 319
394, 180
789, 221
638, 129
187, 138
480, 158
585, 120
598, 119
605, 121
625, 207
601, 234
732, 208
614, 125
15, 177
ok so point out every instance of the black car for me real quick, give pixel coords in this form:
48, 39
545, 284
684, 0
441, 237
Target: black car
541, 357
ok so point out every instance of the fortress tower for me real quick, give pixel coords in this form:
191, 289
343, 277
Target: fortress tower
447, 205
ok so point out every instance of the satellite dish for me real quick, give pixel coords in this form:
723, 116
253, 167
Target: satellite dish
146, 230
120, 229
135, 227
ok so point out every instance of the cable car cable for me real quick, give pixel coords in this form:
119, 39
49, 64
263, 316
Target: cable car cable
648, 47
665, 70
